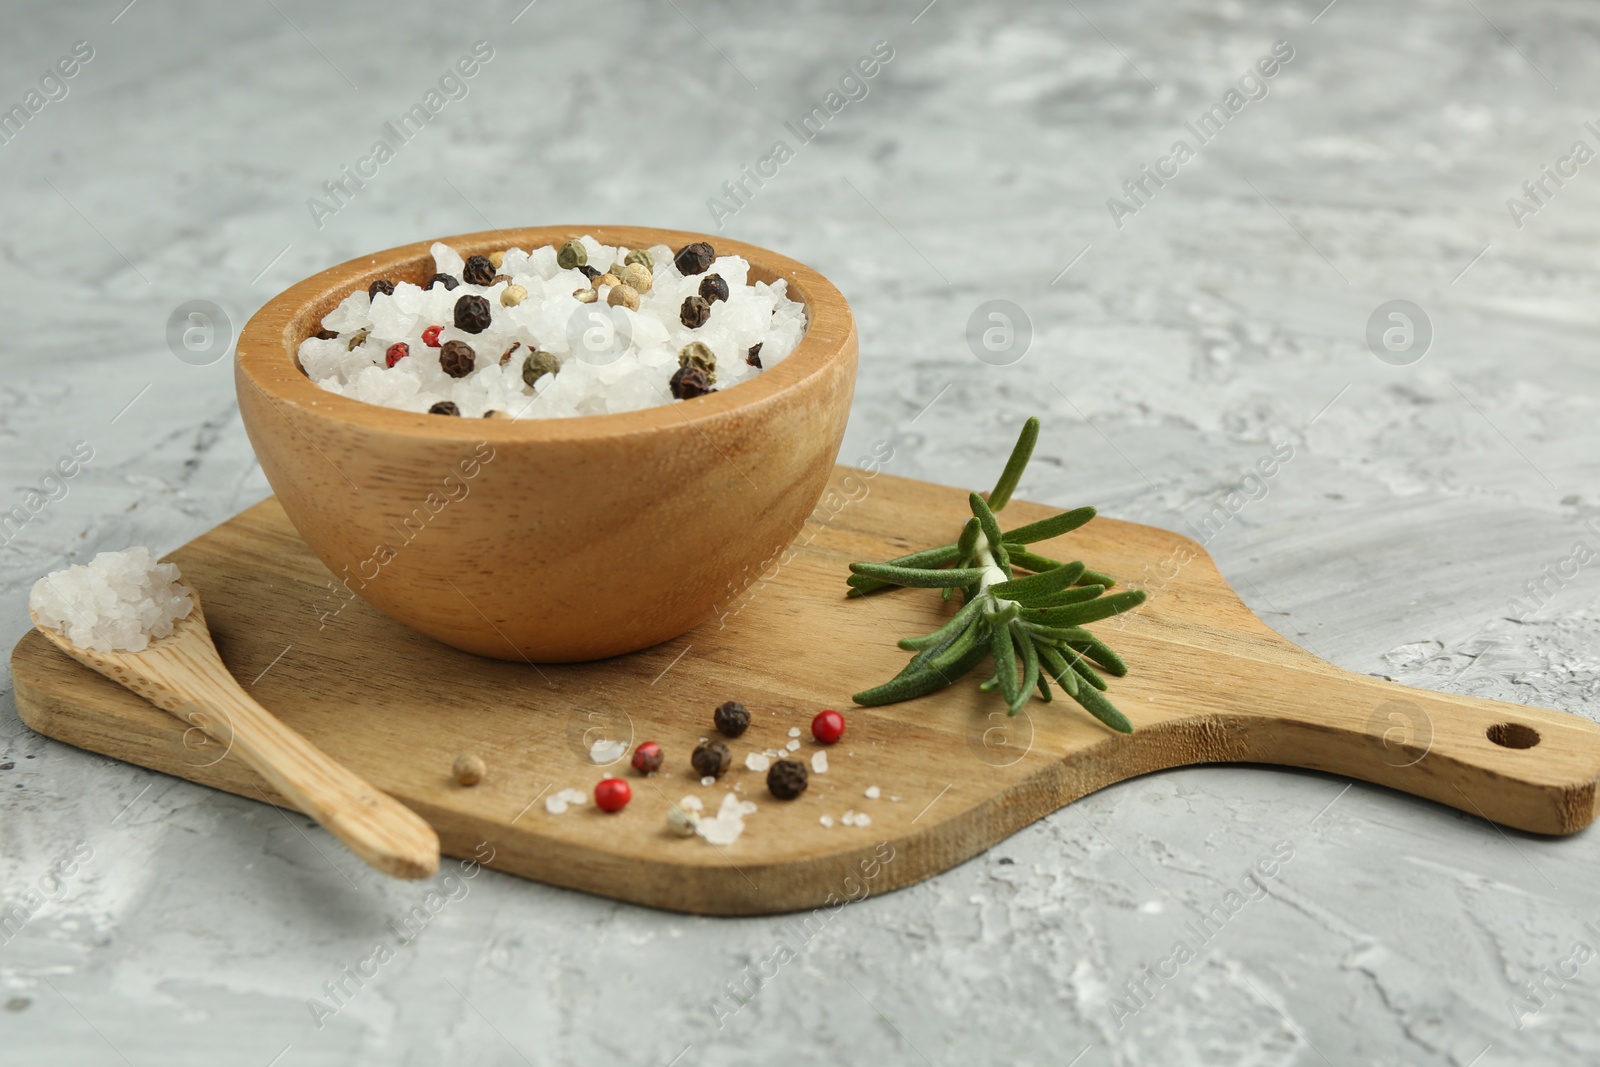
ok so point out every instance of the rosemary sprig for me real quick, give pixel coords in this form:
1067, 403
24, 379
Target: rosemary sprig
1036, 617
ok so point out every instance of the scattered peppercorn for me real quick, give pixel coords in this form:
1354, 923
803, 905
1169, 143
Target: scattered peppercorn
694, 312
616, 269
586, 296
357, 339
698, 354
638, 277
694, 258
496, 413
612, 794
498, 278
607, 279
512, 295
732, 718
711, 759
456, 358
626, 296
441, 279
713, 288
397, 351
472, 314
689, 382
642, 257
444, 407
382, 285
538, 364
497, 260
572, 254
787, 779
588, 271
468, 769
647, 758
430, 336
326, 335
753, 357
478, 271
828, 726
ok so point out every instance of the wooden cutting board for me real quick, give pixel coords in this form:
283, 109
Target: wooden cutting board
1209, 683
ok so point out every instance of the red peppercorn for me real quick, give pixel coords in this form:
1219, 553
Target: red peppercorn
828, 726
397, 351
647, 758
430, 336
612, 794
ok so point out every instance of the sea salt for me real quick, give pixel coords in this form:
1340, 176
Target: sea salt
709, 779
819, 762
604, 751
794, 731
848, 818
117, 602
691, 803
755, 761
612, 359
873, 792
793, 746
558, 803
826, 820
725, 827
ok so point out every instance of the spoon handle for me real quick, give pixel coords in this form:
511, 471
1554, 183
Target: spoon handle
384, 833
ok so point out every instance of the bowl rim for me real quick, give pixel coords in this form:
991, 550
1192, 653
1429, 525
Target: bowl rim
266, 355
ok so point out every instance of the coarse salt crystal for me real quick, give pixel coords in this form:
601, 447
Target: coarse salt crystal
793, 746
863, 819
558, 803
826, 820
755, 761
605, 751
794, 731
873, 793
115, 603
691, 803
848, 818
819, 762
709, 779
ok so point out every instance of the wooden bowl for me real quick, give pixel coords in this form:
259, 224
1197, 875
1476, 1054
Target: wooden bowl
546, 539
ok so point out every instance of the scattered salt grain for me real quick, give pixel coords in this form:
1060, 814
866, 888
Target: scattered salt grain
863, 819
604, 751
793, 746
794, 731
873, 792
726, 826
115, 603
691, 803
826, 820
558, 803
848, 818
709, 779
755, 761
819, 762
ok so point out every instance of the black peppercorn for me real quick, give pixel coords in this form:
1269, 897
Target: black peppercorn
695, 312
711, 759
456, 358
694, 259
689, 382
588, 271
732, 718
326, 335
382, 285
478, 271
713, 288
472, 314
787, 779
444, 407
753, 357
442, 279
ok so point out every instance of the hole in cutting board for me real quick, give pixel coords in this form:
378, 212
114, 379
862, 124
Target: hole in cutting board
1513, 735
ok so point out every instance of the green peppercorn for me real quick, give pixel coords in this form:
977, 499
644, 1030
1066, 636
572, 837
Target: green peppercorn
713, 288
357, 339
642, 257
457, 358
538, 364
572, 255
698, 354
694, 312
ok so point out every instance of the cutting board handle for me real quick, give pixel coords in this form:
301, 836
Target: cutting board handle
1520, 766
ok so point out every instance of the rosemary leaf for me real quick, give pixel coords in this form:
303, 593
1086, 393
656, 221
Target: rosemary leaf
1105, 711
1021, 557
1005, 663
1092, 611
1056, 667
908, 687
957, 623
1076, 661
1021, 452
991, 532
1030, 675
1054, 526
1076, 595
917, 577
1101, 653
1044, 688
957, 650
1035, 585
1096, 578
928, 557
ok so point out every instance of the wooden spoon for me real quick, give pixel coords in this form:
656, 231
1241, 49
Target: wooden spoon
183, 674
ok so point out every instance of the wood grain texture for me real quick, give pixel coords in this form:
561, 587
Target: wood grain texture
1209, 683
183, 675
521, 539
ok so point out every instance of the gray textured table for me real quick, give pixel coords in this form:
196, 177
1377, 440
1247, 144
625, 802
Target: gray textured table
1175, 339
